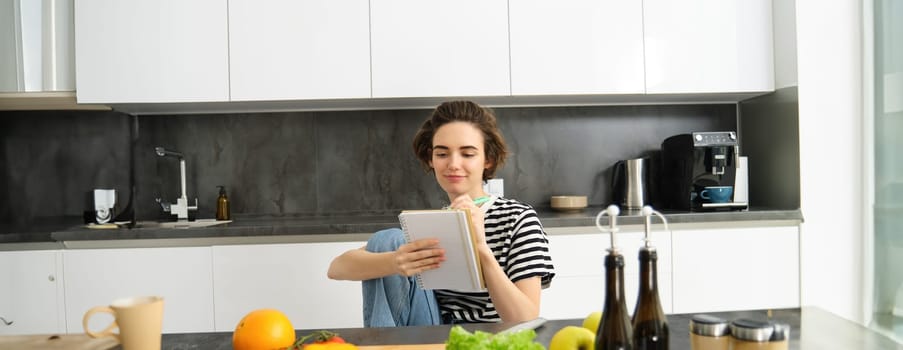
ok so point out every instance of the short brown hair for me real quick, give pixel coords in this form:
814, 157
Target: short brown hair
463, 111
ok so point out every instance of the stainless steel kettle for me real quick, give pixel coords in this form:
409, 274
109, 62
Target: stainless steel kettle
630, 183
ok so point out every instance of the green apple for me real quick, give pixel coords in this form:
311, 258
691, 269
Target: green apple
573, 338
592, 320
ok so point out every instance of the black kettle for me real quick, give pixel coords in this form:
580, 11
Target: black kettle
630, 183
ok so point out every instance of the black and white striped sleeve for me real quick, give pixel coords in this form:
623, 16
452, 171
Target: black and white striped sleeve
529, 254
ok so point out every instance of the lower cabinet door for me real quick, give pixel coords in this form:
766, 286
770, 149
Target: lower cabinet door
288, 277
579, 284
723, 269
182, 276
31, 293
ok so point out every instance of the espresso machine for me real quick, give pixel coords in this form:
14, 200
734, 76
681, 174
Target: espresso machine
700, 172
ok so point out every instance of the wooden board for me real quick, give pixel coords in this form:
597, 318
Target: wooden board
83, 342
52, 342
404, 347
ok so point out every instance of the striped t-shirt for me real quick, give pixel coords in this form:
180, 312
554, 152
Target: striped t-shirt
516, 238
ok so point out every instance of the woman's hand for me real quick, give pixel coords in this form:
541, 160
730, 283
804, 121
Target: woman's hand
476, 216
418, 256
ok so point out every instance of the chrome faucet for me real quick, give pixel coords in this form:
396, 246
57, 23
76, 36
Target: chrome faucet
180, 208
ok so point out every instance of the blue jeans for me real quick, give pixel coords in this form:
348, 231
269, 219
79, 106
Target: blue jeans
396, 300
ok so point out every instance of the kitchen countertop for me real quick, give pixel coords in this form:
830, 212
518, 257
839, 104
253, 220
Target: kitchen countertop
333, 226
810, 328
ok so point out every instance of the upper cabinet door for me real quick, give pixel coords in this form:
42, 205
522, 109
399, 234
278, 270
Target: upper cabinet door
151, 51
703, 46
289, 50
439, 48
576, 47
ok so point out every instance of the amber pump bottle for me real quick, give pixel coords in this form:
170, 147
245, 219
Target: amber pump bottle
615, 331
650, 326
222, 205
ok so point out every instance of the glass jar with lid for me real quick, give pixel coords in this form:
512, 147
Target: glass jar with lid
709, 333
749, 334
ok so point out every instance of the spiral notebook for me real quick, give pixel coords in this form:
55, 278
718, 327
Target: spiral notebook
461, 268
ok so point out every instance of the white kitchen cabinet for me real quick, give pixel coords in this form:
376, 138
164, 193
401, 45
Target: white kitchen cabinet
576, 47
579, 284
31, 292
182, 276
287, 277
299, 50
439, 48
708, 46
722, 269
151, 51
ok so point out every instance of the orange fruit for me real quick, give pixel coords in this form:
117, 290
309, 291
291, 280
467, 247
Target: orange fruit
264, 329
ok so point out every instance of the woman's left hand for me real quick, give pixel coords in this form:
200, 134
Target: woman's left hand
476, 216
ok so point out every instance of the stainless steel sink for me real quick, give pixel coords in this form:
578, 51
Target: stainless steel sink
181, 224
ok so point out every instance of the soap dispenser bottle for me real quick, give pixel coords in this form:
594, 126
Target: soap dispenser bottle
650, 326
615, 330
222, 205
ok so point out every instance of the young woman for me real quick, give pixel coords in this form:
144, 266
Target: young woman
461, 144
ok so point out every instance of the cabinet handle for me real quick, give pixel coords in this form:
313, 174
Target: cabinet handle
5, 322
51, 278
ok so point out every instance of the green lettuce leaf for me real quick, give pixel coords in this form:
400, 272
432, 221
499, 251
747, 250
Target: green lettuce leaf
460, 339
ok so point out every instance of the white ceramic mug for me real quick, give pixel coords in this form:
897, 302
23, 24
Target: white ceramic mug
139, 319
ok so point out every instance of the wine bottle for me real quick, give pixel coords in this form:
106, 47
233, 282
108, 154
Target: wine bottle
615, 331
650, 326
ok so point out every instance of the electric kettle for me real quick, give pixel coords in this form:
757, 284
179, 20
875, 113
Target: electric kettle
630, 183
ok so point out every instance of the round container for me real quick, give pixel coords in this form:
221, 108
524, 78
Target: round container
759, 335
568, 203
709, 333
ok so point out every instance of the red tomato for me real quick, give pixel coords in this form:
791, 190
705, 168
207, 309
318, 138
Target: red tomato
330, 346
333, 339
323, 340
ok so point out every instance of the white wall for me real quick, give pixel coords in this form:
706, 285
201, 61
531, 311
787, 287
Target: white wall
829, 38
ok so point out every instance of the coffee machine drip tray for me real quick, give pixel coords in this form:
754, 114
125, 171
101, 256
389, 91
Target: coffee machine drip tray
725, 206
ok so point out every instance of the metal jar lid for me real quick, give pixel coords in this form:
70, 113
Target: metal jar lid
709, 326
752, 330
781, 332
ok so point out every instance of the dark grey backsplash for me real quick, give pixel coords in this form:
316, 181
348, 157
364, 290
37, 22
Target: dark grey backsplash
50, 160
300, 163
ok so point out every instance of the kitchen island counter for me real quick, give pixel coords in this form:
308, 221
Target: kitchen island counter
811, 328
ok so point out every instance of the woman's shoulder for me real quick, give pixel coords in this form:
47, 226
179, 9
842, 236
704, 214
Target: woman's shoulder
511, 205
517, 216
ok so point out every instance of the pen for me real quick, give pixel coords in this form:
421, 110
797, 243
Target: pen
481, 200
476, 202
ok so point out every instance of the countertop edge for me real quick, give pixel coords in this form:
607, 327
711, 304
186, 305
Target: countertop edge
321, 230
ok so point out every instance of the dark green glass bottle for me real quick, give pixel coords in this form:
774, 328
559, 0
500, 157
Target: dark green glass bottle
615, 331
650, 326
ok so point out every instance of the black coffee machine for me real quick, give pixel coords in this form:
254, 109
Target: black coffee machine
691, 163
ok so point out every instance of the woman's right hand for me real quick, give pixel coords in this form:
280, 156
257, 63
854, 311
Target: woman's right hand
418, 256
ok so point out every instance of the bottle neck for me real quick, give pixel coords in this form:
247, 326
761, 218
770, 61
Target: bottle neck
648, 271
614, 280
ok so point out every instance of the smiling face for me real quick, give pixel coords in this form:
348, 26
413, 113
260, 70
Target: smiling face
459, 159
